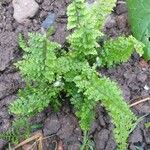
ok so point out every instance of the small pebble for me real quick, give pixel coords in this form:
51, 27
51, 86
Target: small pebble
49, 21
24, 9
146, 87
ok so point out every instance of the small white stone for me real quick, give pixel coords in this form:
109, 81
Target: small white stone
146, 87
24, 9
57, 84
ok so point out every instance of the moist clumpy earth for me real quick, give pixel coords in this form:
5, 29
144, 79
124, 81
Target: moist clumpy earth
133, 78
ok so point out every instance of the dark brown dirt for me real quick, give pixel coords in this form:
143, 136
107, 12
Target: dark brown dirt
133, 77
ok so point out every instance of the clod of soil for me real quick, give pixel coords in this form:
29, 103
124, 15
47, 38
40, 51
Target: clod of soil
8, 48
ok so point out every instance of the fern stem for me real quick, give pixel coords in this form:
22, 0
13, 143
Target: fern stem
45, 52
85, 140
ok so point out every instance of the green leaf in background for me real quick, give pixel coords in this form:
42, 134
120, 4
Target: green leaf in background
139, 18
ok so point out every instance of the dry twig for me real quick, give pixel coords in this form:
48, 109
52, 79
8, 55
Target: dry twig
35, 137
38, 138
140, 101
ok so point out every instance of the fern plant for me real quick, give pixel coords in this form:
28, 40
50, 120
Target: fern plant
19, 130
49, 70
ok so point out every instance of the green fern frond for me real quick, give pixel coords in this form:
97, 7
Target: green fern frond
76, 13
119, 50
147, 125
38, 53
101, 10
100, 88
83, 39
32, 100
20, 129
